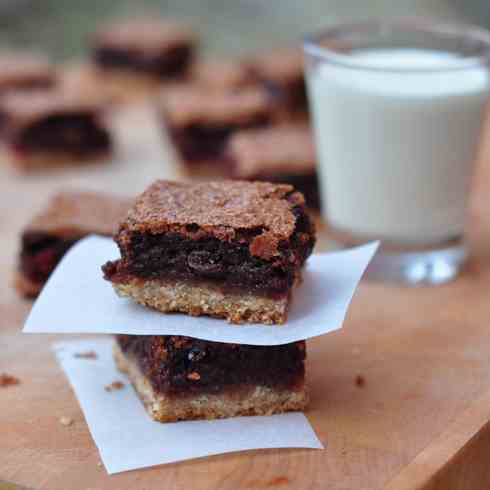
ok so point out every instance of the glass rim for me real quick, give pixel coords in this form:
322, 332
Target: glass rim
312, 42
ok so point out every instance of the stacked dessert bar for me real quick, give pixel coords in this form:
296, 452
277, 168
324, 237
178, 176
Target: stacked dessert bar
233, 250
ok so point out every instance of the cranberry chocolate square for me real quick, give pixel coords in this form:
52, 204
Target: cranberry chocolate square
200, 121
68, 217
158, 48
283, 153
228, 249
182, 378
42, 129
25, 71
282, 73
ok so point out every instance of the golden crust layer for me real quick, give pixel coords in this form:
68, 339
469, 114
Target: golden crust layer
196, 300
259, 400
47, 160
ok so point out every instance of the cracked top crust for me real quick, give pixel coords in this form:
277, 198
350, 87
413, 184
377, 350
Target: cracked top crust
287, 149
256, 212
23, 109
145, 35
19, 68
73, 213
192, 104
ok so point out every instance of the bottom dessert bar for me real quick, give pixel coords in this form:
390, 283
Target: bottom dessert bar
182, 378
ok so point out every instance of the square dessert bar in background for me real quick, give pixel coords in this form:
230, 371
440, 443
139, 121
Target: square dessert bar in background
182, 378
68, 217
282, 153
199, 122
25, 71
282, 73
158, 48
228, 249
55, 127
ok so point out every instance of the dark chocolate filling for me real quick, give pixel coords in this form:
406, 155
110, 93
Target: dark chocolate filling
75, 134
41, 253
198, 142
183, 365
227, 264
171, 64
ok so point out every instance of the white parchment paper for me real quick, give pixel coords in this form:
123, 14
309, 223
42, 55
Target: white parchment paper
126, 436
77, 299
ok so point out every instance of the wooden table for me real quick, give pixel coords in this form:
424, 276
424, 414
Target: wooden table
421, 421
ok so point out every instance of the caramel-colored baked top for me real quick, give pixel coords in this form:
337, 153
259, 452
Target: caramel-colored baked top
18, 69
22, 108
286, 149
221, 74
194, 104
145, 34
78, 213
280, 66
226, 210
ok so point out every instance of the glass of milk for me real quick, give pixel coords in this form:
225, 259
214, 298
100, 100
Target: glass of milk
398, 108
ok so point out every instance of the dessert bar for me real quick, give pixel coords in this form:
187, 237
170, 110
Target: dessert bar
282, 73
283, 153
182, 378
42, 129
199, 121
161, 49
25, 71
68, 217
228, 249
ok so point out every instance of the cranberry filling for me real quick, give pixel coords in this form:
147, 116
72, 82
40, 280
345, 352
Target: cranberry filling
197, 142
183, 365
75, 134
41, 253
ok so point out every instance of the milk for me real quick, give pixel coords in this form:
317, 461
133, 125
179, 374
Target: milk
396, 148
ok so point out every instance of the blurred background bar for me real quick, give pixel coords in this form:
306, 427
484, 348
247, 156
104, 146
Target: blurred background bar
62, 27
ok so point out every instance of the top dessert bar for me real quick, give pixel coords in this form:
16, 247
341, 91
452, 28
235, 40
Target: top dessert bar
200, 121
68, 217
282, 153
282, 73
157, 48
42, 127
229, 249
25, 71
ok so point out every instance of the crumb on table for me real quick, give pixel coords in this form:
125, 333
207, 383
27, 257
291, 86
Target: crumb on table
115, 385
8, 380
86, 355
66, 421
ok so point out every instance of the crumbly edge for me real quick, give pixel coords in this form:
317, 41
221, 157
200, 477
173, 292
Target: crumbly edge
260, 400
40, 160
203, 299
25, 286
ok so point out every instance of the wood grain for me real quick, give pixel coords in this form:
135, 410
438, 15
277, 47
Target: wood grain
420, 421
